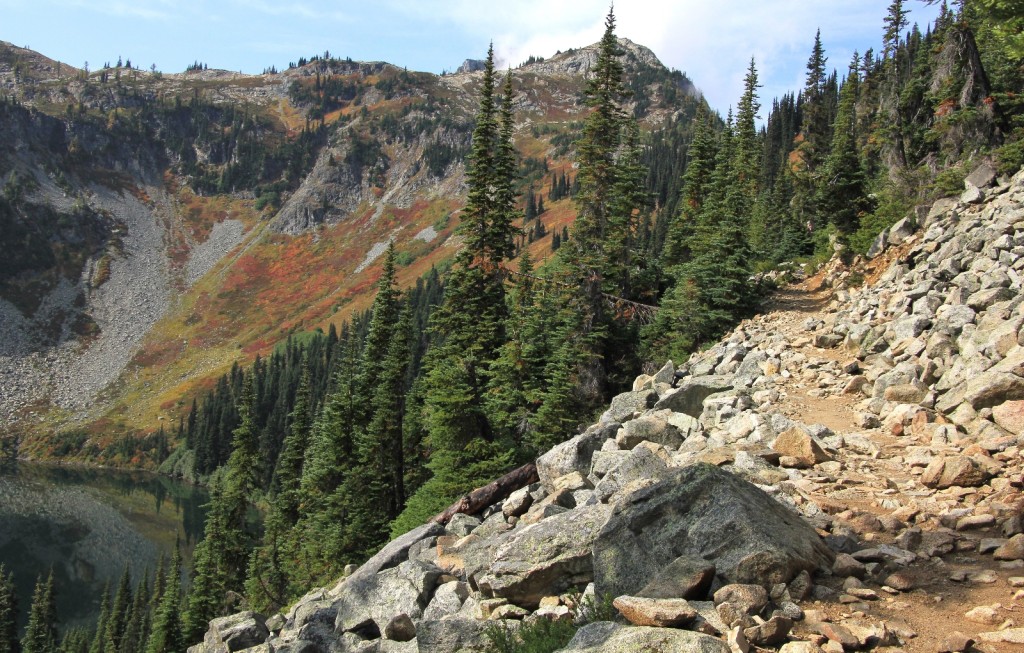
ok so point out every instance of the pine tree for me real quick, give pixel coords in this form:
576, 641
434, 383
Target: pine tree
41, 632
8, 612
166, 635
465, 448
119, 613
696, 185
748, 145
843, 189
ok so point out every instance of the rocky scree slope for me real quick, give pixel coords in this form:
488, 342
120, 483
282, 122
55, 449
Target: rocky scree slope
841, 473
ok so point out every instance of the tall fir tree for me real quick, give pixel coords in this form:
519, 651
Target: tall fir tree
167, 632
41, 632
8, 613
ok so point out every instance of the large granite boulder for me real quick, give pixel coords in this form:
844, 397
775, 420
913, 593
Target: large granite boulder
704, 512
573, 455
368, 606
610, 637
690, 395
546, 558
235, 632
394, 553
455, 635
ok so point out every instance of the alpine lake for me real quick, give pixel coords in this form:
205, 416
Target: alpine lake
87, 525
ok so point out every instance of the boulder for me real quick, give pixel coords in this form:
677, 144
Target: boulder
545, 558
573, 455
455, 635
368, 606
985, 390
609, 637
685, 577
1013, 549
959, 471
400, 628
394, 553
624, 405
1009, 415
900, 231
687, 513
448, 599
642, 463
800, 447
236, 632
689, 397
649, 428
663, 613
981, 177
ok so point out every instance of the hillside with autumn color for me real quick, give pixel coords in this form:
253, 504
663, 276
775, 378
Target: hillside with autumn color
184, 223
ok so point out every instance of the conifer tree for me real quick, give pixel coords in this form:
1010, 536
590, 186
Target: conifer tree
41, 632
136, 630
98, 644
748, 145
843, 189
119, 613
8, 612
696, 185
167, 631
469, 326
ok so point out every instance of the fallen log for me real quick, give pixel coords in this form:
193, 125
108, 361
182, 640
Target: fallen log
491, 493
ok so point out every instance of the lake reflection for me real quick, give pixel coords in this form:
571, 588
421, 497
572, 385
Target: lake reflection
86, 525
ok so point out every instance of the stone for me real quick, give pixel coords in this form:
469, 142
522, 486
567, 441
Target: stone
847, 565
371, 604
447, 600
236, 632
960, 471
666, 374
1009, 415
685, 577
750, 599
400, 628
771, 633
841, 635
798, 445
900, 231
1012, 550
642, 464
971, 522
981, 177
686, 513
517, 503
900, 581
972, 195
573, 455
956, 642
610, 637
553, 555
462, 524
508, 611
800, 647
662, 613
1008, 635
689, 397
454, 636
878, 245
988, 389
624, 405
906, 393
393, 553
985, 615
648, 428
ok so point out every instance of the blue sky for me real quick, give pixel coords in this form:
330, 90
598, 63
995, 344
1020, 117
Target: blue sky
710, 40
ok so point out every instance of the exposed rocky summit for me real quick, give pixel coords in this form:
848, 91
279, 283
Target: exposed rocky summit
817, 482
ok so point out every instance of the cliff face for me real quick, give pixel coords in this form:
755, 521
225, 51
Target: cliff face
173, 224
815, 481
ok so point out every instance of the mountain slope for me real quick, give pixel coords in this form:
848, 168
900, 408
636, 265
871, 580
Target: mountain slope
226, 211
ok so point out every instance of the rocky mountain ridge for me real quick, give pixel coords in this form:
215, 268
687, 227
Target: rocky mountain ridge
840, 473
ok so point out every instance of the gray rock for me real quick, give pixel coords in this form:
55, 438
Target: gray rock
666, 374
685, 577
609, 637
624, 405
686, 513
400, 628
988, 389
462, 524
394, 553
236, 632
750, 599
517, 503
370, 605
981, 177
573, 455
545, 558
878, 245
447, 600
983, 299
454, 636
640, 464
902, 230
690, 395
649, 428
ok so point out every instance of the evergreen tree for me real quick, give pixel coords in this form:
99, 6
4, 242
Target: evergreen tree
119, 613
748, 145
843, 191
465, 448
167, 632
41, 632
8, 613
99, 638
696, 185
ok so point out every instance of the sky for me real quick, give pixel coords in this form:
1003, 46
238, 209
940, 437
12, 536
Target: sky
711, 41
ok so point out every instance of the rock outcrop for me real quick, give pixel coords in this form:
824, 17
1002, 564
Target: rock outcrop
809, 475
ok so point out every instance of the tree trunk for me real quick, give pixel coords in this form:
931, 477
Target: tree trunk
490, 494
